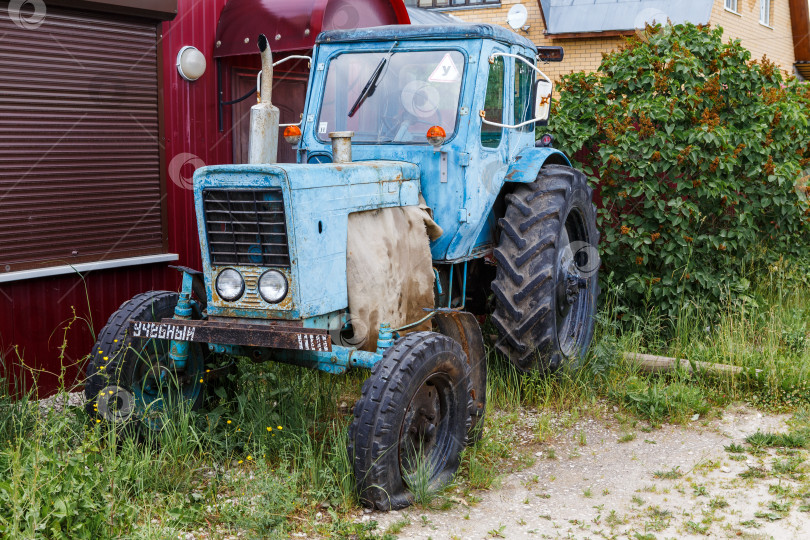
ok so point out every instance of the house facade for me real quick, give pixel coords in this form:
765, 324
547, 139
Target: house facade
587, 29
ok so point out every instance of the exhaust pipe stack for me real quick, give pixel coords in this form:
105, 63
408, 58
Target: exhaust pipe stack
341, 146
264, 117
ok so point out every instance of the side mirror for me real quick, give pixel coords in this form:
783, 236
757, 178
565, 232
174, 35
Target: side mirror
542, 101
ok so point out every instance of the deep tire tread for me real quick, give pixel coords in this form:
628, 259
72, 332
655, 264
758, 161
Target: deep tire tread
525, 284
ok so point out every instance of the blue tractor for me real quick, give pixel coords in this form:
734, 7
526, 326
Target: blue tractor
420, 203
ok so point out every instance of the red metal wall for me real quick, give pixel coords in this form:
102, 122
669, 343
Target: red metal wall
34, 313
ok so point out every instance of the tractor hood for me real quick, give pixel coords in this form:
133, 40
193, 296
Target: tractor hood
293, 218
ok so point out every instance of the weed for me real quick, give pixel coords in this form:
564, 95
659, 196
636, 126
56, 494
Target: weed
397, 526
697, 528
587, 493
700, 490
717, 503
627, 437
672, 474
754, 472
787, 440
770, 516
735, 448
777, 506
789, 466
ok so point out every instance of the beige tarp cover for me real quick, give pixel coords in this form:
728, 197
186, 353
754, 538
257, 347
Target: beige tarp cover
389, 270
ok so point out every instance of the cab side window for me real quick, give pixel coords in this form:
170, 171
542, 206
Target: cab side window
524, 77
493, 104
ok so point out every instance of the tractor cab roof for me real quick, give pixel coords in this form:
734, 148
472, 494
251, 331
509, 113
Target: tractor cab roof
401, 32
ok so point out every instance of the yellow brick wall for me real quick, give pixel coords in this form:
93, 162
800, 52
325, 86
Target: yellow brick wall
580, 54
586, 54
776, 41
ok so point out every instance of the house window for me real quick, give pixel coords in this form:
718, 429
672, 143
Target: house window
731, 5
493, 105
765, 12
444, 4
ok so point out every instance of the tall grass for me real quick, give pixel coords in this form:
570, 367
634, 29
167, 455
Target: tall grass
267, 456
767, 333
261, 461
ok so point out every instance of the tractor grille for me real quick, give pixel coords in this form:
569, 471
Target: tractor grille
246, 227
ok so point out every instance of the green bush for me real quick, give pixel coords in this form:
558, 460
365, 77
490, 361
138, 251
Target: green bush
698, 153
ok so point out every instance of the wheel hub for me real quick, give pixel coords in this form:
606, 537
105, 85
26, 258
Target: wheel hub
569, 285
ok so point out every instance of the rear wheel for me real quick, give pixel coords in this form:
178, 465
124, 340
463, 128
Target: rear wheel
132, 378
411, 422
547, 278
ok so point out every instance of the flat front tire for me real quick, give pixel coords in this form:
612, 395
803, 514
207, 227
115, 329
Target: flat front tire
411, 422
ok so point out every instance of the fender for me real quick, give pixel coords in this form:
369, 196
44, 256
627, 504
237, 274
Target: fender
524, 168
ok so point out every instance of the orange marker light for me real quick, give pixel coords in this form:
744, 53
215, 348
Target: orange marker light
292, 134
436, 136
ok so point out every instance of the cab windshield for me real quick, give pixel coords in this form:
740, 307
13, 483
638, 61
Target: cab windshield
405, 94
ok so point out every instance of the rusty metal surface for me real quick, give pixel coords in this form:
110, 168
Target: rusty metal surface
234, 333
341, 146
463, 328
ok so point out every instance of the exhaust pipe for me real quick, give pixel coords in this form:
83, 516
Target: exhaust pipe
264, 117
341, 146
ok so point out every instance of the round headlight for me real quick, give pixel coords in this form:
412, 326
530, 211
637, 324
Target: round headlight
230, 284
273, 286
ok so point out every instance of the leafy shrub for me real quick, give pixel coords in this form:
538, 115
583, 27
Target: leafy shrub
698, 153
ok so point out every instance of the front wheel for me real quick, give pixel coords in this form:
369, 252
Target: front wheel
411, 422
133, 378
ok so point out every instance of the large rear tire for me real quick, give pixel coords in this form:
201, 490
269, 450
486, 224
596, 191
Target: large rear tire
547, 278
411, 423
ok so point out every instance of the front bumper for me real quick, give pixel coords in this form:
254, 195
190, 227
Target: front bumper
273, 336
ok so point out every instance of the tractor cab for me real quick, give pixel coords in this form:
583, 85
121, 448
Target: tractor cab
459, 101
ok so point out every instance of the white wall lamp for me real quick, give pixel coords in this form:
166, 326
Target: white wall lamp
190, 63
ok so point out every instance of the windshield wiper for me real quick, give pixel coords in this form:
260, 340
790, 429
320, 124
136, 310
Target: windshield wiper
372, 83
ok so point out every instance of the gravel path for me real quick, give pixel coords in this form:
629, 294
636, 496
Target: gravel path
606, 488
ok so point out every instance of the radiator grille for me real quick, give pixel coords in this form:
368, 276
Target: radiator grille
246, 227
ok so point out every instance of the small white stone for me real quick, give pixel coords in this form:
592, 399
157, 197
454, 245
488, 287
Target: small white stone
725, 469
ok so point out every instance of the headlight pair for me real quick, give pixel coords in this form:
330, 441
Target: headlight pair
273, 286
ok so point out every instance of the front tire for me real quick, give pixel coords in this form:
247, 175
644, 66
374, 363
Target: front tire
411, 423
131, 378
547, 284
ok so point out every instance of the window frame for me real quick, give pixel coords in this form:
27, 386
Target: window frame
504, 88
732, 6
529, 112
340, 52
765, 7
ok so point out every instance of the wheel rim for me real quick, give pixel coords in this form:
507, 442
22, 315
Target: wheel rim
577, 260
158, 389
424, 443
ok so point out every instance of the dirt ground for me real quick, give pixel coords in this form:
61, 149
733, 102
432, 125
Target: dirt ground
598, 487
